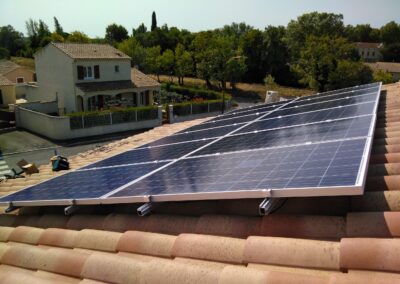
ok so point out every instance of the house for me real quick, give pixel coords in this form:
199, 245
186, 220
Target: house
87, 77
369, 51
7, 92
15, 73
391, 67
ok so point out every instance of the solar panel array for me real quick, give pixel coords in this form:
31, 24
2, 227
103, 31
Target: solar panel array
310, 146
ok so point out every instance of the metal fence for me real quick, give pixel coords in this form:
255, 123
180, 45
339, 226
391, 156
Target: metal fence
92, 120
199, 108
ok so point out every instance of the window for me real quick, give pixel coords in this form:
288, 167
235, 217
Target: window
88, 72
116, 68
20, 80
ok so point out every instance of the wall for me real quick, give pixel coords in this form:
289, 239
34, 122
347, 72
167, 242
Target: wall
8, 94
58, 128
27, 91
55, 79
27, 74
107, 72
43, 107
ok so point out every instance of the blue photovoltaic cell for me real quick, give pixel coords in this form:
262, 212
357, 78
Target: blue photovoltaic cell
338, 129
317, 165
82, 184
355, 88
141, 155
310, 117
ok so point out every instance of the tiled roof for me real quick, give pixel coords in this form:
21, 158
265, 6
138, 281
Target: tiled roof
90, 51
7, 66
369, 44
392, 67
309, 240
4, 81
142, 80
105, 86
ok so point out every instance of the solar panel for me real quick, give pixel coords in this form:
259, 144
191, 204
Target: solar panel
310, 146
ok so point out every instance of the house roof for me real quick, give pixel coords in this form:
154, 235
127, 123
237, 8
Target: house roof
392, 67
142, 80
308, 240
4, 81
7, 66
369, 44
90, 51
105, 86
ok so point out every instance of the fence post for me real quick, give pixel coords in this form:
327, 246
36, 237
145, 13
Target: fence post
208, 106
83, 122
171, 113
111, 118
191, 108
135, 114
160, 118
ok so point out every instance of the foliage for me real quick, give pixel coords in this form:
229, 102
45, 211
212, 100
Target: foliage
4, 53
383, 76
362, 33
11, 39
269, 82
166, 97
390, 33
153, 21
183, 63
348, 73
235, 68
391, 52
38, 33
115, 33
77, 36
167, 62
319, 59
133, 48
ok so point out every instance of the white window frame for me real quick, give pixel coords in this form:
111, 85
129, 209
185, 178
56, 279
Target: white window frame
86, 71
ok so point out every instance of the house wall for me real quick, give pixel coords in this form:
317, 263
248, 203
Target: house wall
58, 127
107, 70
20, 72
8, 95
55, 81
369, 54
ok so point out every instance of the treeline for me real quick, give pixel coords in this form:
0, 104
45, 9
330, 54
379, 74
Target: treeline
316, 50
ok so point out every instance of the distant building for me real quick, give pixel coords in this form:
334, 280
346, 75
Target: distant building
15, 73
7, 92
369, 51
85, 77
391, 67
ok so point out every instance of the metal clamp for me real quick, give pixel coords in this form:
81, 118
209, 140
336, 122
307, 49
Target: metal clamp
145, 209
71, 209
269, 205
11, 208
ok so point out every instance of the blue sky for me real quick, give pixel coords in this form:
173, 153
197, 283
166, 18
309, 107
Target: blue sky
92, 16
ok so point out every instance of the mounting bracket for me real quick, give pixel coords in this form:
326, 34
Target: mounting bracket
269, 205
11, 208
71, 209
145, 209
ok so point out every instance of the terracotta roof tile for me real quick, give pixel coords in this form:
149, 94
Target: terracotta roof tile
26, 278
5, 233
384, 169
392, 67
80, 221
23, 256
303, 226
56, 278
7, 66
98, 240
209, 248
234, 274
373, 224
112, 268
292, 252
370, 254
170, 224
379, 183
369, 44
172, 272
59, 238
293, 270
53, 221
123, 222
228, 226
361, 279
90, 51
29, 235
146, 243
376, 201
140, 79
3, 248
4, 81
205, 263
7, 220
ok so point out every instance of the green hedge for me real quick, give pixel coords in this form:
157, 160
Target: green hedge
195, 93
189, 108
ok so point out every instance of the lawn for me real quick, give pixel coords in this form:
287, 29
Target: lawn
243, 89
23, 61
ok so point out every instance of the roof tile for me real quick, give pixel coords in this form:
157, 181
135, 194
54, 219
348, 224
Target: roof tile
232, 274
292, 252
384, 169
303, 226
3, 248
5, 233
169, 271
56, 278
170, 224
373, 224
98, 240
23, 256
378, 183
361, 279
376, 201
146, 243
370, 254
53, 221
205, 263
29, 235
90, 51
123, 222
59, 238
81, 221
228, 226
7, 220
112, 268
294, 270
212, 248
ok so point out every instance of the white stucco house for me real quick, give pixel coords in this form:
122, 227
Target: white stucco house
85, 77
369, 51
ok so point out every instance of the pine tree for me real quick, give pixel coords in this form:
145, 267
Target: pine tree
58, 28
153, 21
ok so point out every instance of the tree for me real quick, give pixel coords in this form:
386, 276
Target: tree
390, 33
312, 24
38, 33
362, 33
320, 58
133, 48
391, 52
152, 61
235, 68
77, 36
57, 28
269, 82
116, 33
11, 40
252, 47
4, 53
167, 63
183, 63
383, 76
349, 73
153, 21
